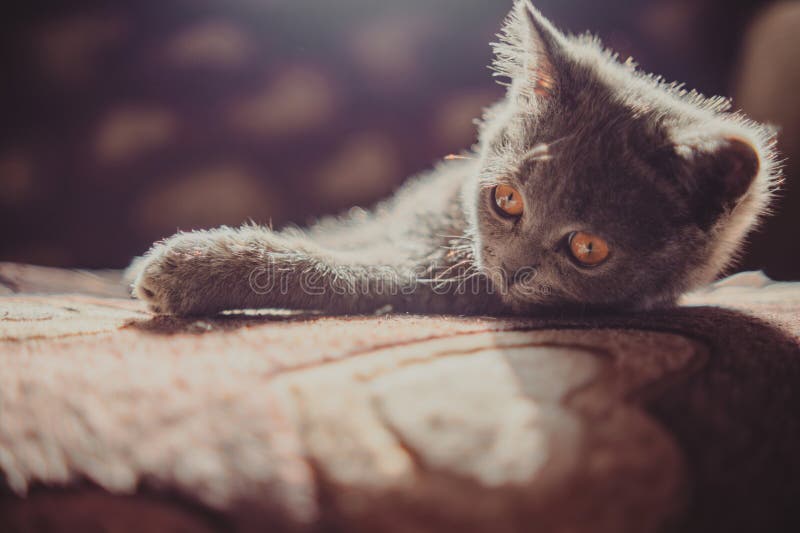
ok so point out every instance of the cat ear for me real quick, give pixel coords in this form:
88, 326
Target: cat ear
738, 165
723, 171
528, 51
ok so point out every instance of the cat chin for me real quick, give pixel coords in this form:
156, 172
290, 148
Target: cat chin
545, 300
525, 299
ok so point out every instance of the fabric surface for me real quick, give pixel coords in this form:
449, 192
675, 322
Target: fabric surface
113, 419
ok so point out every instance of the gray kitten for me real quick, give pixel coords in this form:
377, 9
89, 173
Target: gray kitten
591, 185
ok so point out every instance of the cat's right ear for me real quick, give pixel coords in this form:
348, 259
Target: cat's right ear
530, 47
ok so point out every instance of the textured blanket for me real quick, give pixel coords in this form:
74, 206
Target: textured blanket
112, 419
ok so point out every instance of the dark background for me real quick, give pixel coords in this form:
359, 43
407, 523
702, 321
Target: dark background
123, 122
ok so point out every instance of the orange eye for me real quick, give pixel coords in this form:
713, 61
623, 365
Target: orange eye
588, 249
508, 201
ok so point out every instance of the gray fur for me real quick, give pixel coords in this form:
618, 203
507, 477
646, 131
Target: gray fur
672, 180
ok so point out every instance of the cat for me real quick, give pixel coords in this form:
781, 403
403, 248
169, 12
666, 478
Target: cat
591, 184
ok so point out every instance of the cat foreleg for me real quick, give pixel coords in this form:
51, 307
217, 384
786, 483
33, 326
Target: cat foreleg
204, 272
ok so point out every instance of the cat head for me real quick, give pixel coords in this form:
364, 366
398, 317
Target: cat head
600, 185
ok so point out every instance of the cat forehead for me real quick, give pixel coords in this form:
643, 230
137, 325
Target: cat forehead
578, 135
586, 112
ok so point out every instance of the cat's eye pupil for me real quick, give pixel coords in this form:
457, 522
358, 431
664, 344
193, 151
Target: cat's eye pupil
587, 249
508, 201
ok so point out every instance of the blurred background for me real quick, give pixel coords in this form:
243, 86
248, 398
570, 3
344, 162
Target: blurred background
121, 122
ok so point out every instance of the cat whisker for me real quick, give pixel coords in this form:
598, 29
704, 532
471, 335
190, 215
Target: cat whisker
439, 283
473, 275
449, 269
560, 139
541, 152
539, 158
463, 237
459, 247
440, 280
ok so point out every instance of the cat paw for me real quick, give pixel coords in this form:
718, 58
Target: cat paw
166, 277
205, 272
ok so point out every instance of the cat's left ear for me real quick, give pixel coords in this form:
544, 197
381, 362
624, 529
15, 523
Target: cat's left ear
723, 170
530, 49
